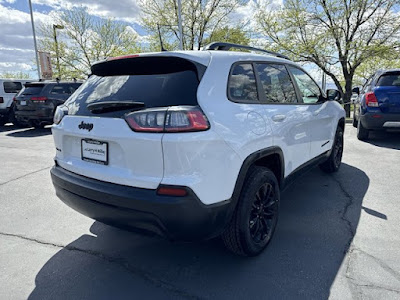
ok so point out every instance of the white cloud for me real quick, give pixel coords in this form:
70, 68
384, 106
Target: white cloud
16, 39
125, 10
12, 67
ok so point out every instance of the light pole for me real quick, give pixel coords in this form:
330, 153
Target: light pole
34, 39
55, 40
180, 25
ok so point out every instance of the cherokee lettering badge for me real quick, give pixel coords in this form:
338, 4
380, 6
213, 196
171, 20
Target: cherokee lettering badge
87, 126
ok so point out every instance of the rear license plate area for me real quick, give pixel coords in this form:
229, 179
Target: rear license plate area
94, 151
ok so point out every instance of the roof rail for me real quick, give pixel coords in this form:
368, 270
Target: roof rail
227, 46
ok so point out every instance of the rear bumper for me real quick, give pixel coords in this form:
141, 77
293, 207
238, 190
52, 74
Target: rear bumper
137, 209
380, 121
42, 114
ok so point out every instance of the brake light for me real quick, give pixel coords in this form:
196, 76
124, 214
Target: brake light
174, 119
14, 99
123, 57
370, 100
171, 191
1, 100
39, 99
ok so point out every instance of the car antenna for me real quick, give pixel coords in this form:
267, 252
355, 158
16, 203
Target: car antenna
159, 35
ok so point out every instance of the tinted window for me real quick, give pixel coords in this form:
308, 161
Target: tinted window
389, 79
64, 89
242, 83
32, 89
276, 83
159, 90
12, 87
367, 84
309, 90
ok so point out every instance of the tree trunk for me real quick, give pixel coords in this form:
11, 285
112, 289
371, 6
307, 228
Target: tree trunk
347, 95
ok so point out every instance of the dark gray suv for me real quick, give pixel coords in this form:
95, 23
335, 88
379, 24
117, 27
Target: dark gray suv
36, 103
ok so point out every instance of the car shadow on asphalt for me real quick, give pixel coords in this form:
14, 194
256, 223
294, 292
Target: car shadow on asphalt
389, 140
8, 127
30, 132
319, 215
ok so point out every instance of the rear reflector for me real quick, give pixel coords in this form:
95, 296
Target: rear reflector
171, 191
173, 119
1, 100
38, 98
370, 100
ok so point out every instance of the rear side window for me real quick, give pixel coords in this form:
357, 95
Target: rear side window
64, 89
276, 83
11, 87
389, 79
156, 90
242, 83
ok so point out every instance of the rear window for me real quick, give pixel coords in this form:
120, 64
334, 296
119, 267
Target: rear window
32, 89
155, 90
389, 79
11, 87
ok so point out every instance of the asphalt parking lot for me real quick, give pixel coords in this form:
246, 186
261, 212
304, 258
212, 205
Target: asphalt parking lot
338, 236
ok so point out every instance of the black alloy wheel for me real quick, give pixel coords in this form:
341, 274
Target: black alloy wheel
263, 214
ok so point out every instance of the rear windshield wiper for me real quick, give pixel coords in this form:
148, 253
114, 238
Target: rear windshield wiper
110, 106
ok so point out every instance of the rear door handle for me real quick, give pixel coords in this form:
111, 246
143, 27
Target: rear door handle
278, 118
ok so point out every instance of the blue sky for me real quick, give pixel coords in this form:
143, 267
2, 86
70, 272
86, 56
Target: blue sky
16, 41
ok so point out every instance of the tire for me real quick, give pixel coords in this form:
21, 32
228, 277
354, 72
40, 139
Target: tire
13, 119
254, 221
335, 158
362, 132
354, 120
3, 121
38, 125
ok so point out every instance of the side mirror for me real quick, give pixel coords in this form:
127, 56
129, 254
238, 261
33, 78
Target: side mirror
333, 95
356, 90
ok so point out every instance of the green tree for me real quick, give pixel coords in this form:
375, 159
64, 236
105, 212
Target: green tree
370, 66
227, 34
199, 20
15, 75
85, 40
337, 35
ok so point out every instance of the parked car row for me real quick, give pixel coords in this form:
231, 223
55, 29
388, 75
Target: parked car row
32, 103
192, 145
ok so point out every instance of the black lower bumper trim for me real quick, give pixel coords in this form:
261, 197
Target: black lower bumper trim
176, 218
375, 121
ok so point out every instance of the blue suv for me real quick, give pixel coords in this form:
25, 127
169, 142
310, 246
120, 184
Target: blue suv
378, 104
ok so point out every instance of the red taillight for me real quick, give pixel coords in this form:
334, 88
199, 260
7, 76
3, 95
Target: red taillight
171, 191
1, 100
122, 57
38, 98
14, 99
370, 100
174, 119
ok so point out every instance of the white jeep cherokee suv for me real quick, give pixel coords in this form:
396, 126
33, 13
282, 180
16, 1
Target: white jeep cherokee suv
194, 144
